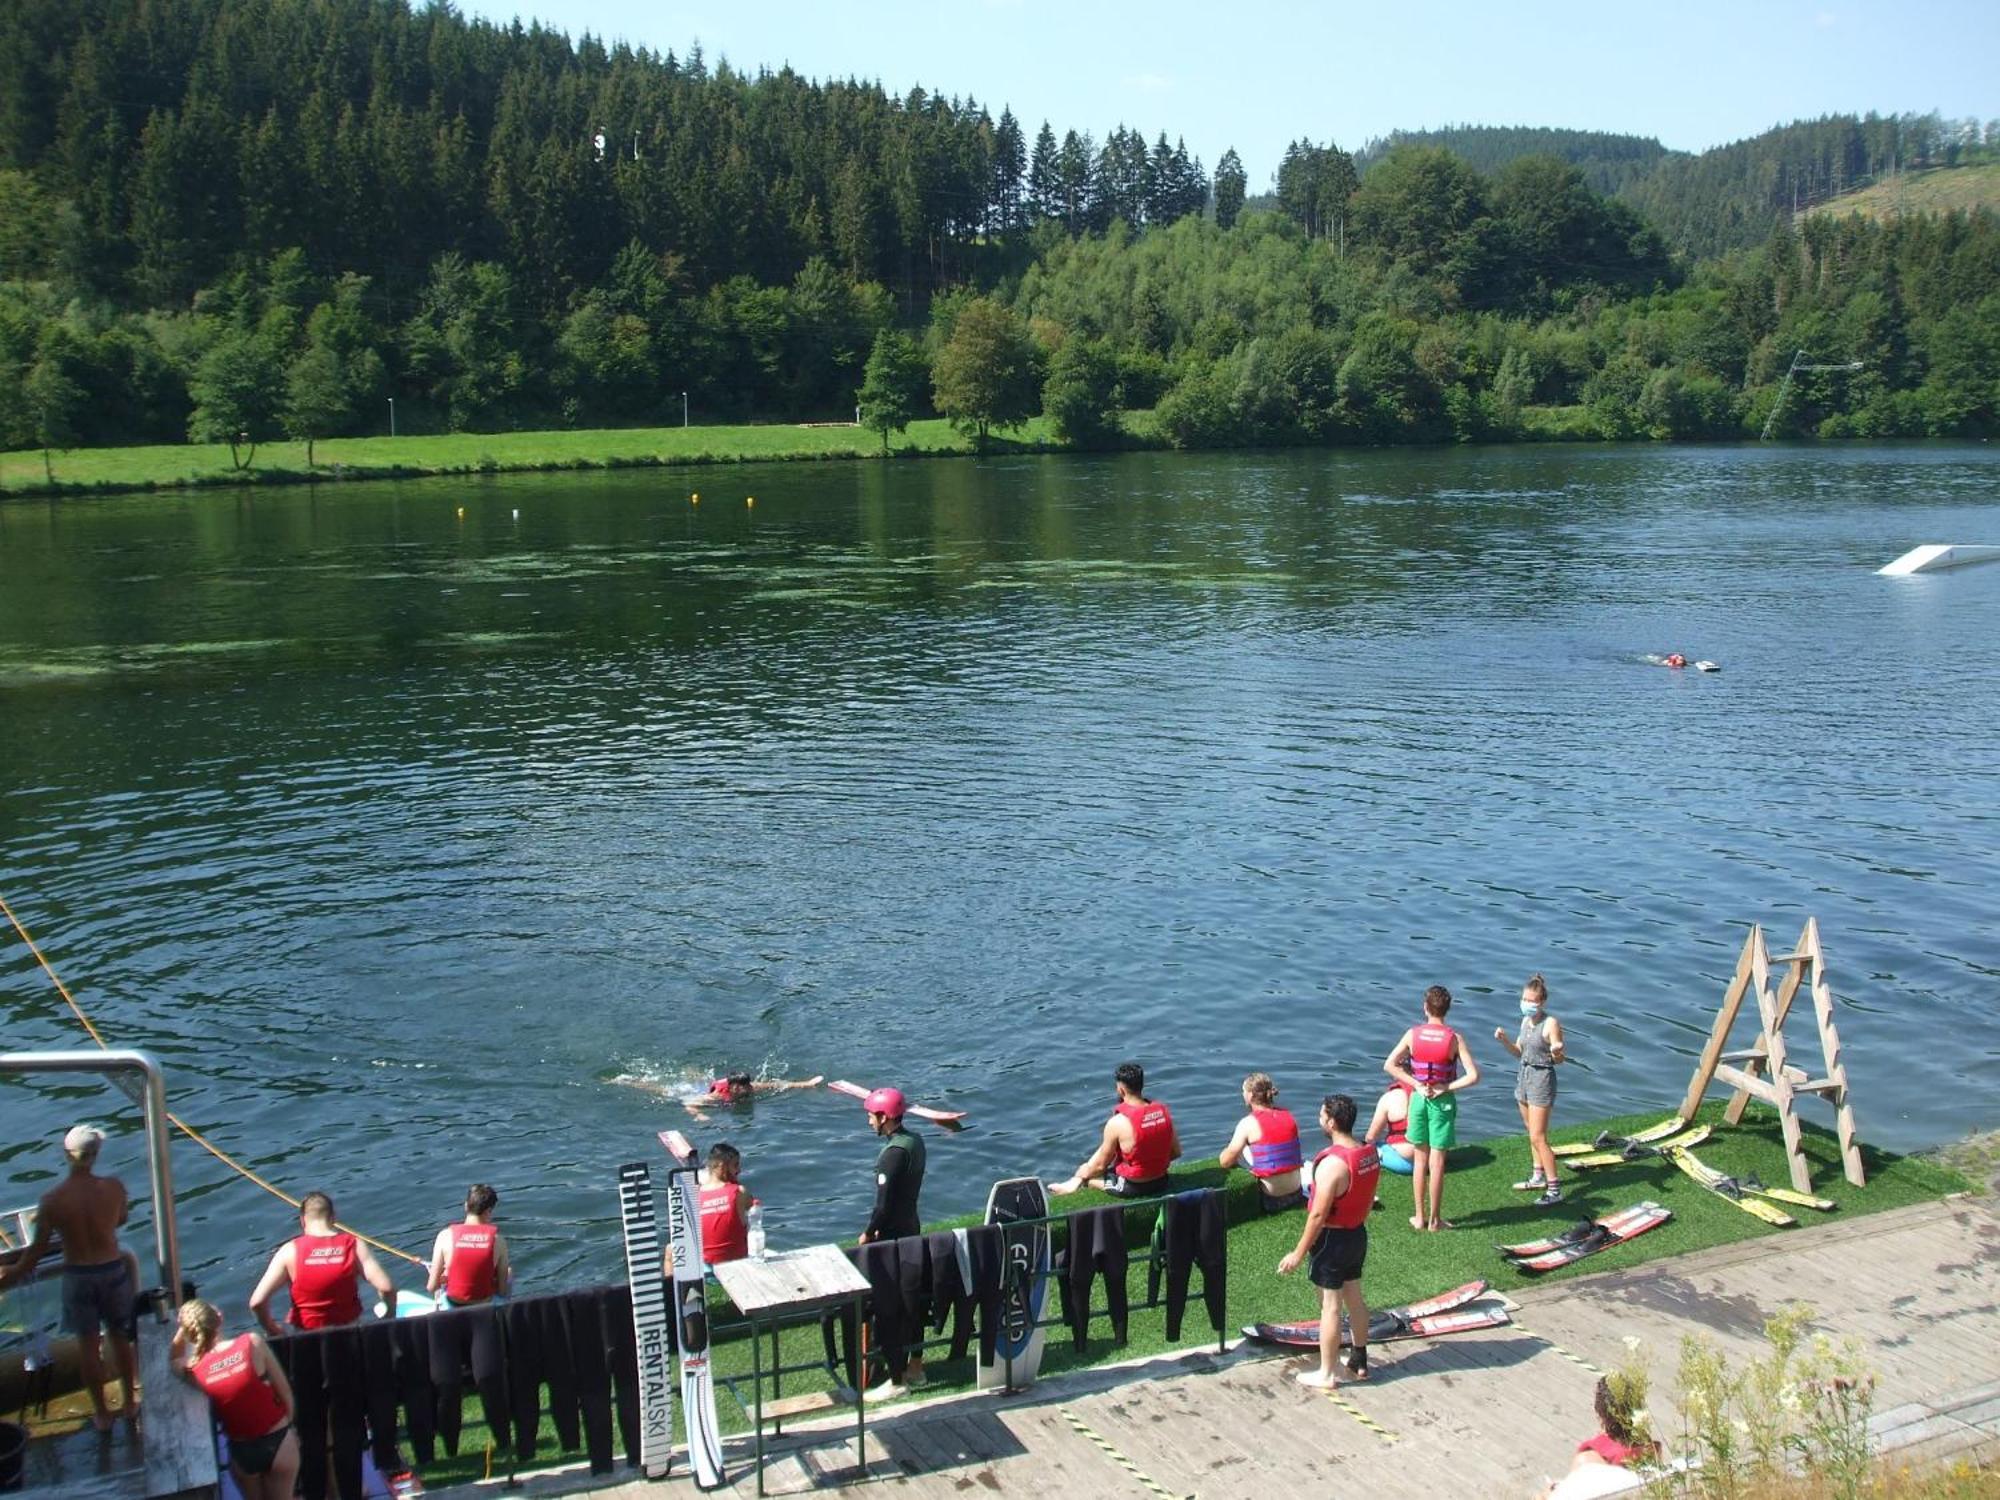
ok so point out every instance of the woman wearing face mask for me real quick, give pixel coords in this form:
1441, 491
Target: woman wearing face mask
1539, 1047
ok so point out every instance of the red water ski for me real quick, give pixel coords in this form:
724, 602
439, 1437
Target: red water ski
921, 1111
1387, 1324
1614, 1229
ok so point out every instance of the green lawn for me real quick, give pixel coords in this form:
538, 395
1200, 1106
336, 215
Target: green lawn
183, 464
1404, 1265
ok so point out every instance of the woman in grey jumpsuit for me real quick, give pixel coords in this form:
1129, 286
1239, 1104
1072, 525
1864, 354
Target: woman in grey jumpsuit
1539, 1047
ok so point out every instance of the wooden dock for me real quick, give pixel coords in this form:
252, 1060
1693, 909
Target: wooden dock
1496, 1411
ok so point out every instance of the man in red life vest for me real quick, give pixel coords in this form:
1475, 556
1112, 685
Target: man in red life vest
469, 1260
1267, 1142
741, 1088
725, 1208
1434, 1063
1139, 1142
1336, 1237
324, 1266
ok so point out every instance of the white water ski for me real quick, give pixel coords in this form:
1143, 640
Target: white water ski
704, 1435
649, 1318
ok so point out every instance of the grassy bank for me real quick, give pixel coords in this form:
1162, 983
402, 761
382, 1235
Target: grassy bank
1404, 1265
177, 466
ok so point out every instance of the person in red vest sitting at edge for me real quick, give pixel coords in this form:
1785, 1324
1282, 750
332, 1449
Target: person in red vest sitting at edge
324, 1266
1434, 1063
725, 1208
250, 1394
1267, 1141
469, 1260
1139, 1143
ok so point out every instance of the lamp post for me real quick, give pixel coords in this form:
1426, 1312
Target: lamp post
392, 416
684, 408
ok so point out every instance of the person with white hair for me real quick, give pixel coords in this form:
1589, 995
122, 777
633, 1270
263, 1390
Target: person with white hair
100, 1284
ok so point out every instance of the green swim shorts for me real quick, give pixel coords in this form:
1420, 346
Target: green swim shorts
1433, 1122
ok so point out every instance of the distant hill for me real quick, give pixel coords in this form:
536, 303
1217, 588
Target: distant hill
1941, 190
1609, 163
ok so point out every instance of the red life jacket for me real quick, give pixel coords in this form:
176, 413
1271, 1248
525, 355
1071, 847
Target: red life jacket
1278, 1152
243, 1399
1433, 1053
724, 1236
325, 1271
1152, 1141
473, 1272
1364, 1170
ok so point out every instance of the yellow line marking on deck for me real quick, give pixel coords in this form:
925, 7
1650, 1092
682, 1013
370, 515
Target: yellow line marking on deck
1116, 1457
1362, 1417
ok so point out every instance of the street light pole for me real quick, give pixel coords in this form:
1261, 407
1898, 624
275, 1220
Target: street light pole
392, 416
684, 408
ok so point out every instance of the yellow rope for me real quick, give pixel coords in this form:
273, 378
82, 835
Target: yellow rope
178, 1123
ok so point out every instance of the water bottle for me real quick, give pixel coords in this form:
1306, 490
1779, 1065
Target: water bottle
756, 1230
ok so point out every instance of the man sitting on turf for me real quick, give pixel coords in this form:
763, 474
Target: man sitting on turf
1433, 1062
1138, 1146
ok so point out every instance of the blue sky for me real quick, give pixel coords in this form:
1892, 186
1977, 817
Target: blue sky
1256, 75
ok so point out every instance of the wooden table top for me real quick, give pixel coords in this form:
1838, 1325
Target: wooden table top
791, 1280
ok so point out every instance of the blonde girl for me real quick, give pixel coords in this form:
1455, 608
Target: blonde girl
251, 1397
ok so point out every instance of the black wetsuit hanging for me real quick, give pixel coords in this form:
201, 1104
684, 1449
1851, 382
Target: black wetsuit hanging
899, 1178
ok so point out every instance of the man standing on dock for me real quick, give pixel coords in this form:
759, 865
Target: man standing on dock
99, 1287
1336, 1237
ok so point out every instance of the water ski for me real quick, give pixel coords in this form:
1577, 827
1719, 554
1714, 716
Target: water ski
1587, 1238
1639, 1150
949, 1118
1728, 1188
1029, 1254
649, 1317
704, 1433
1427, 1319
1606, 1141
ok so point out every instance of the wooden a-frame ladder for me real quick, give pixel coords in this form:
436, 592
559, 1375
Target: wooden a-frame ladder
1762, 1071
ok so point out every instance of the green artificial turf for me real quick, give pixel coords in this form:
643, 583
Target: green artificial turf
1403, 1264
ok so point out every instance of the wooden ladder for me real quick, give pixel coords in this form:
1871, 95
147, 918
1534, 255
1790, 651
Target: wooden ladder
1762, 1070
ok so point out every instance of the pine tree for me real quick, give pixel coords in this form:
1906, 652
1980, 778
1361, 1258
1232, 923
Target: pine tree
1045, 177
1230, 187
892, 386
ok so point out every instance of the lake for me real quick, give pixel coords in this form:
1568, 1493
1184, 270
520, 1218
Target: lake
403, 821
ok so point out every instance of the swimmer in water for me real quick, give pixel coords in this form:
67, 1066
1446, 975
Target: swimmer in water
741, 1088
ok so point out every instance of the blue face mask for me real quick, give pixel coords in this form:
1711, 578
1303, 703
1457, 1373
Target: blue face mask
1531, 1007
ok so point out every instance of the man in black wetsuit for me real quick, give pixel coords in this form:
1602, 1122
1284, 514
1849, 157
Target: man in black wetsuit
899, 1178
899, 1171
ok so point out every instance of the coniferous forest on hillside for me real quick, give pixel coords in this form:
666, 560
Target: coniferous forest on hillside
230, 218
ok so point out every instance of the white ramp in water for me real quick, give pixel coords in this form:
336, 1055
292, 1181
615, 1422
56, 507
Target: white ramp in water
1937, 556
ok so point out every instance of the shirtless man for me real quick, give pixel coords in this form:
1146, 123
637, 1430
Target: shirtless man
99, 1287
1139, 1143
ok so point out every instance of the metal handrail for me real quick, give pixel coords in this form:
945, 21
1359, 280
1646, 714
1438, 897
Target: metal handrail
118, 1065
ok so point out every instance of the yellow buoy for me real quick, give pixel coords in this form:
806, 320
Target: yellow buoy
749, 499
461, 513
695, 498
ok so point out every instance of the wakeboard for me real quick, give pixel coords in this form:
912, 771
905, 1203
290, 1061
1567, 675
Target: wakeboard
1606, 1141
1728, 1188
1028, 1252
945, 1117
1439, 1314
704, 1433
1587, 1238
651, 1337
1633, 1151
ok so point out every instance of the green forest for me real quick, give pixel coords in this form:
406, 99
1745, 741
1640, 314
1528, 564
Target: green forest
235, 220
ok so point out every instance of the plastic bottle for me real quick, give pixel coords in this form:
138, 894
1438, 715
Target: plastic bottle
756, 1230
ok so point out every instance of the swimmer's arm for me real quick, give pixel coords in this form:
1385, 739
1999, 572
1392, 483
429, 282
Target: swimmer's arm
1557, 1053
1394, 1065
440, 1262
372, 1272
1467, 1078
1233, 1152
276, 1274
786, 1085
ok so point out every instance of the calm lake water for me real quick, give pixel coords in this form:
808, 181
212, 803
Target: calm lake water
401, 834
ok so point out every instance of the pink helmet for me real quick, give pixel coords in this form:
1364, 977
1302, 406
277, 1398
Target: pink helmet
885, 1102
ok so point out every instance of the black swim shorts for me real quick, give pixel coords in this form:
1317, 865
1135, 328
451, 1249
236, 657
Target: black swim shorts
256, 1455
98, 1297
1337, 1258
1126, 1187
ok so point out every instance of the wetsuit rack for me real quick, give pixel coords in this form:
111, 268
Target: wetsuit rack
1185, 1234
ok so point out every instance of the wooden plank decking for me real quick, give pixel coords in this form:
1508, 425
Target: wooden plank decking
1492, 1412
